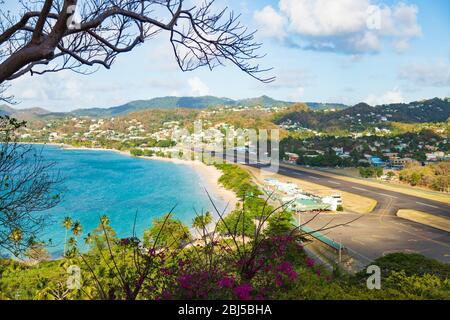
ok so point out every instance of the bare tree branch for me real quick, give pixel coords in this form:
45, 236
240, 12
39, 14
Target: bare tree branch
46, 36
28, 187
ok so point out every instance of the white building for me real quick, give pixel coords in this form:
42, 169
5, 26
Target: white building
334, 201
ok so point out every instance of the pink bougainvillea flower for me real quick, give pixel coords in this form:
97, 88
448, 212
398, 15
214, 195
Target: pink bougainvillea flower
243, 291
285, 267
310, 262
278, 281
185, 281
226, 282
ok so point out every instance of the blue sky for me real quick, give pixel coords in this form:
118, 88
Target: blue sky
344, 51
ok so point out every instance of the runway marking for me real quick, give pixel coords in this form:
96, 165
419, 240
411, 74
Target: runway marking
386, 195
361, 189
334, 182
358, 241
315, 178
428, 205
359, 254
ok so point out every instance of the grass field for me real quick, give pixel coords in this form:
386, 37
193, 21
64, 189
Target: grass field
426, 219
352, 202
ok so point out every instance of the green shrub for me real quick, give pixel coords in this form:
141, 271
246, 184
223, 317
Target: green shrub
136, 152
412, 264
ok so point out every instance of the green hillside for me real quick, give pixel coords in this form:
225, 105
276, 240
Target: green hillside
23, 114
179, 102
363, 115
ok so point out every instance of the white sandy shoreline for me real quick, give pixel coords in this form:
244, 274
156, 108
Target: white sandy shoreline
224, 199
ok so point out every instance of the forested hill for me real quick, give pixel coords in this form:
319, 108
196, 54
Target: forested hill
195, 103
179, 102
363, 115
162, 103
23, 114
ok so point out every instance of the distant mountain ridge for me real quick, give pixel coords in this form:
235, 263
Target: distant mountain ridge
171, 102
433, 110
23, 114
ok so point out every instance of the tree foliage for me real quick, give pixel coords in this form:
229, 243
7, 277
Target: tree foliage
370, 172
167, 232
29, 185
434, 176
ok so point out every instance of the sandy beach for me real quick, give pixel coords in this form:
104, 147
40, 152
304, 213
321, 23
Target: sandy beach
225, 200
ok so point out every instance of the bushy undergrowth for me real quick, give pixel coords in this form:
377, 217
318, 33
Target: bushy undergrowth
300, 278
218, 261
411, 264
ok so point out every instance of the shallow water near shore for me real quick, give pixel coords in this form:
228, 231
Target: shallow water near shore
100, 183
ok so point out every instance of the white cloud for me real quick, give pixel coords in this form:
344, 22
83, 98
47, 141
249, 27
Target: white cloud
198, 3
164, 84
297, 94
63, 91
392, 96
429, 75
161, 56
271, 23
324, 17
401, 45
198, 87
290, 83
400, 21
292, 78
368, 42
59, 86
348, 26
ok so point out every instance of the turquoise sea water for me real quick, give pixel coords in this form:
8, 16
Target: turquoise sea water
103, 182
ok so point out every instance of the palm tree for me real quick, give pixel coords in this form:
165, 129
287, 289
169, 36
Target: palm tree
67, 223
201, 221
77, 228
88, 240
16, 235
72, 243
208, 218
104, 220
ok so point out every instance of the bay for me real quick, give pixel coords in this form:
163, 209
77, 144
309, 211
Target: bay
97, 183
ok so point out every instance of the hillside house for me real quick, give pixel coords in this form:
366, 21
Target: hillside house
292, 157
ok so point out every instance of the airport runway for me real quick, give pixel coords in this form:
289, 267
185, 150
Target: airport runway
388, 202
381, 232
372, 236
367, 237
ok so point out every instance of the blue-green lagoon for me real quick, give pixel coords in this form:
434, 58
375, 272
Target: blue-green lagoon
100, 183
